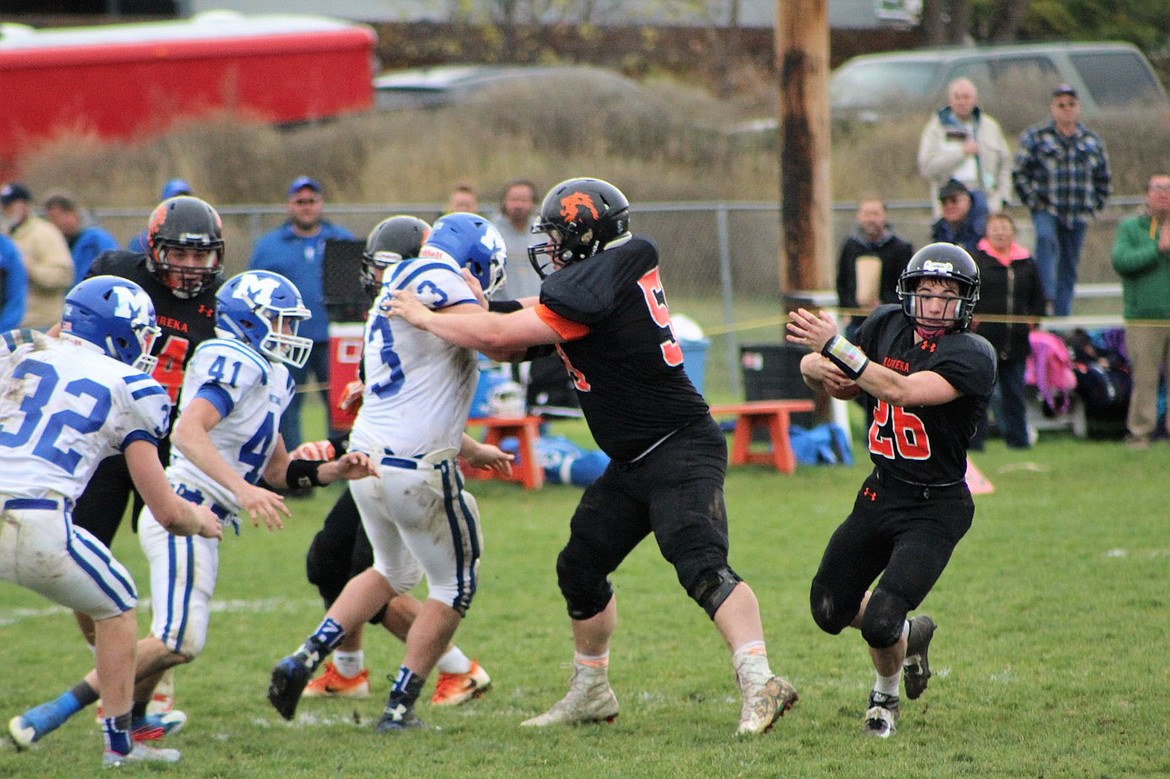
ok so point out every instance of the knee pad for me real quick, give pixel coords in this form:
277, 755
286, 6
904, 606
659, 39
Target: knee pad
586, 593
826, 612
711, 587
885, 616
325, 569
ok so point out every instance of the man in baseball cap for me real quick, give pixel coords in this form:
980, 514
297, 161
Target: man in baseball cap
45, 253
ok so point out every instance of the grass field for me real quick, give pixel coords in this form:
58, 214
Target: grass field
1050, 658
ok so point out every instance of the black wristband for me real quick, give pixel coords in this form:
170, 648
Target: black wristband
504, 306
845, 356
302, 474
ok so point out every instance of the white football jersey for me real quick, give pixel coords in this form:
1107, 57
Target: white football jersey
250, 394
65, 407
418, 386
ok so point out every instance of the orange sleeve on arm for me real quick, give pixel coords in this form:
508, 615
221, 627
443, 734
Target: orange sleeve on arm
565, 328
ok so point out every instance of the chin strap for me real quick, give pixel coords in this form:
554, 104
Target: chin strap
929, 333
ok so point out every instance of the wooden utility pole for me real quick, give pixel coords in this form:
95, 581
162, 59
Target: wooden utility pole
802, 61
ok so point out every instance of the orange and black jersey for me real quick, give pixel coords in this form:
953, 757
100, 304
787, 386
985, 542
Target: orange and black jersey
925, 444
623, 357
185, 322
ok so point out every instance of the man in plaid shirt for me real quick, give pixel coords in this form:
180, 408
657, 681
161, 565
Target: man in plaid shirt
1062, 175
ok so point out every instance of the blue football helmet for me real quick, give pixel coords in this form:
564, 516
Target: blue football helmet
474, 243
264, 310
115, 314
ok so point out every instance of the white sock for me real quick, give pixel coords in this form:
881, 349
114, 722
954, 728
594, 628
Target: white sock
349, 664
888, 685
750, 662
594, 662
453, 661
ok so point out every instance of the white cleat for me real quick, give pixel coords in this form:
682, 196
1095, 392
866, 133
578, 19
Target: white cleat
141, 753
589, 699
763, 706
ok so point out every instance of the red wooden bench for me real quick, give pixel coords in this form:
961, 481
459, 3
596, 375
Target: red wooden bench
526, 430
770, 415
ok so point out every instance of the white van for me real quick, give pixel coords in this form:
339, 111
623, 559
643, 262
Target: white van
1107, 77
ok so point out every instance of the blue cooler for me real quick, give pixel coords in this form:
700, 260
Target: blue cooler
695, 361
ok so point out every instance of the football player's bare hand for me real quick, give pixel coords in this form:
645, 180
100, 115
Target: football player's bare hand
476, 287
491, 458
209, 524
404, 305
313, 450
262, 504
351, 396
810, 329
353, 465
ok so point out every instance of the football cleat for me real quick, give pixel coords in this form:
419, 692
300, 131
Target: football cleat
765, 705
397, 718
153, 727
454, 689
289, 678
36, 723
881, 718
590, 699
140, 753
331, 684
916, 669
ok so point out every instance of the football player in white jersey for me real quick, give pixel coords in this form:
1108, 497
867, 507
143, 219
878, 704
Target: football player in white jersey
70, 402
417, 515
239, 378
235, 389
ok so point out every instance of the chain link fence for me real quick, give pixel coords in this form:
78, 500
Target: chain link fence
719, 260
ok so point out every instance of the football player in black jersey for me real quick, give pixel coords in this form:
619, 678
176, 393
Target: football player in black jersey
181, 272
603, 305
925, 382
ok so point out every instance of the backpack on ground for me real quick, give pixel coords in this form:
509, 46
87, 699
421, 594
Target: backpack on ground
1049, 369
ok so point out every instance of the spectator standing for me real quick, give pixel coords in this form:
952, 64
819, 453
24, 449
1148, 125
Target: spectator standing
517, 211
13, 285
964, 217
173, 188
296, 250
46, 257
962, 142
1141, 256
1062, 175
1009, 290
871, 260
86, 240
462, 200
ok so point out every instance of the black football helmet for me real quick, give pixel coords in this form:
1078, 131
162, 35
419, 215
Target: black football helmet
579, 216
944, 261
392, 240
185, 222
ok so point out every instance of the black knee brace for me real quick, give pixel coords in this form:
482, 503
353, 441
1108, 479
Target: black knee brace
885, 616
711, 587
586, 594
828, 615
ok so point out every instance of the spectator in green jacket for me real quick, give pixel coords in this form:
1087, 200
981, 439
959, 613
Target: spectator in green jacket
1141, 256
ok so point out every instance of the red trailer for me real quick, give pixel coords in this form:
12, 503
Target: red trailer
131, 80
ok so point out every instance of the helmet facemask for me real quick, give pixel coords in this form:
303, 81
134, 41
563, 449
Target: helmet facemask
185, 280
287, 347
